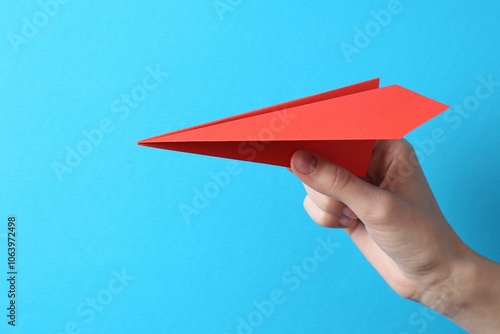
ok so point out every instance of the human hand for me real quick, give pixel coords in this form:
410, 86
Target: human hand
395, 221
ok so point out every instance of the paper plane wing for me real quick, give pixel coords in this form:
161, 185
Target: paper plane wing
340, 125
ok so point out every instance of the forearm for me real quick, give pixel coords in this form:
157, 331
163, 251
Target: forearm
471, 295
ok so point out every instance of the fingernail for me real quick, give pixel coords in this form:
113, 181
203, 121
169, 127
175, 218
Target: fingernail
305, 162
349, 213
346, 222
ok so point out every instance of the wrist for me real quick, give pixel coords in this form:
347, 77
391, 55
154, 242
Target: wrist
470, 294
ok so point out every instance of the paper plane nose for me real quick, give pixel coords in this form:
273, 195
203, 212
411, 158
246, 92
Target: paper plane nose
144, 142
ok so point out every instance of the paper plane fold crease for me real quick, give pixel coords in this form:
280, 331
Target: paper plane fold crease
341, 125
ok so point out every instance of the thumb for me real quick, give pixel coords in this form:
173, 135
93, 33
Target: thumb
334, 181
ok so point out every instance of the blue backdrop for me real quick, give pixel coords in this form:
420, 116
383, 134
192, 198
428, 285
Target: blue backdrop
103, 244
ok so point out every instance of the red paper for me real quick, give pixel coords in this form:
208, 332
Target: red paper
340, 125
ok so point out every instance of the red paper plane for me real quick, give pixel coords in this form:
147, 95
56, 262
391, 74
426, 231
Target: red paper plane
341, 125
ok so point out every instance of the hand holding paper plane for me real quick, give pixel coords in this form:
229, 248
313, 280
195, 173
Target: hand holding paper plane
341, 125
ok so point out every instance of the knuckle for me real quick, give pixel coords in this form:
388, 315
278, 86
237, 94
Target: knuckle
338, 178
319, 216
404, 148
326, 220
331, 205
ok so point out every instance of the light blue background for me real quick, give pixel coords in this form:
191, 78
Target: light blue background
118, 209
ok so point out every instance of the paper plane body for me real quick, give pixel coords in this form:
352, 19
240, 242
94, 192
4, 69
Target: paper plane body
341, 125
